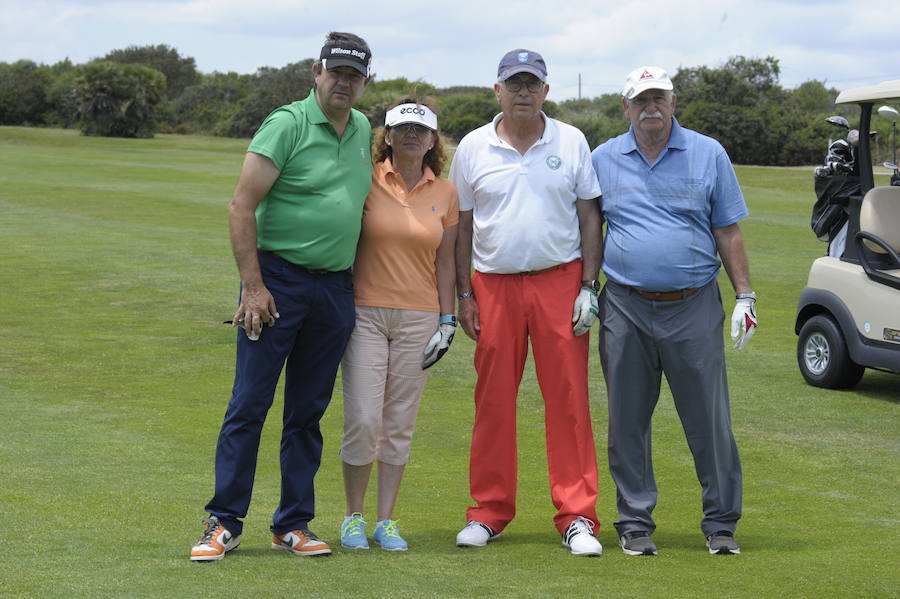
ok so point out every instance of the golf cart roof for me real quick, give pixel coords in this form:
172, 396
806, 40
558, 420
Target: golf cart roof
885, 90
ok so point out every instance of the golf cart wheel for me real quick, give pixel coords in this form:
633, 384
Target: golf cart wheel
823, 357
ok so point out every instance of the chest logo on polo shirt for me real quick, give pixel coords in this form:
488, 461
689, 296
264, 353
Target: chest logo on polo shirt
553, 161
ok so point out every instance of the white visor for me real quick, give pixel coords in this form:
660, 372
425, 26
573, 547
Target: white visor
411, 113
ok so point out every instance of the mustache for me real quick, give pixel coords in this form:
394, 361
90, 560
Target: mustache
651, 115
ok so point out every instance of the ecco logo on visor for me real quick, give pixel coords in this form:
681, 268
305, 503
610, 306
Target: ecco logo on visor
412, 109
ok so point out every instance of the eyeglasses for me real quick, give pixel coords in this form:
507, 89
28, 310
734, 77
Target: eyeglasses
516, 85
404, 128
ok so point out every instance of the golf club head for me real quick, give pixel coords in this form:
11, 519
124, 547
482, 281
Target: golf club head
838, 121
888, 112
840, 156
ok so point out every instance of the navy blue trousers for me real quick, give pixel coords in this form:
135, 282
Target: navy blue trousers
317, 316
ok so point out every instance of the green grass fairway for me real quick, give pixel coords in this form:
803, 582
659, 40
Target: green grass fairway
115, 276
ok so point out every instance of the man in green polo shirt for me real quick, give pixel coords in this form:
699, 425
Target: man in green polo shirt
294, 221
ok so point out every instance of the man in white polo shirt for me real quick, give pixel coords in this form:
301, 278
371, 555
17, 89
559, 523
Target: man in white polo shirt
529, 223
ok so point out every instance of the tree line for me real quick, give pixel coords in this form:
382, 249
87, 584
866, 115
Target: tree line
140, 90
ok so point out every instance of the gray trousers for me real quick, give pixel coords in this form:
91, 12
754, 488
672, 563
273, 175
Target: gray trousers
641, 339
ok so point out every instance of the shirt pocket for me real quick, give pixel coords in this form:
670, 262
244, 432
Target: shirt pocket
684, 195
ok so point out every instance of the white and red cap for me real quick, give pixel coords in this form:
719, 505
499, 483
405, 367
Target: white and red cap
411, 113
643, 78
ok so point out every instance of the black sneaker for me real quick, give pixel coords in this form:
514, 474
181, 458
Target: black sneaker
722, 543
637, 542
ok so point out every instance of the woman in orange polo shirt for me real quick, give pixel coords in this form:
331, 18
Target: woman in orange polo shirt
404, 282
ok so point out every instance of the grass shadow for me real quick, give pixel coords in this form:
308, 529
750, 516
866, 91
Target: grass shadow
509, 539
884, 386
750, 542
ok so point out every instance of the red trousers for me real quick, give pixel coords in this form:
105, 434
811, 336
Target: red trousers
512, 309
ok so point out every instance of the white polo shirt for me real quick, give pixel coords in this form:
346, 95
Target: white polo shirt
523, 207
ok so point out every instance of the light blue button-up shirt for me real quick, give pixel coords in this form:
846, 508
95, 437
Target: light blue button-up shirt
660, 217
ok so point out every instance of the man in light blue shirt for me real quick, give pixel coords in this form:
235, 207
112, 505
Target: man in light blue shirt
672, 204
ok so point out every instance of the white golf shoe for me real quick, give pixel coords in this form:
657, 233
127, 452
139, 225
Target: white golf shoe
475, 534
580, 540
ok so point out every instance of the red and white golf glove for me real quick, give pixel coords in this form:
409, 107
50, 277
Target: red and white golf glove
440, 342
585, 311
743, 320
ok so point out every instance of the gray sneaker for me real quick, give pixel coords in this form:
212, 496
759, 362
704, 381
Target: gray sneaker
722, 543
637, 542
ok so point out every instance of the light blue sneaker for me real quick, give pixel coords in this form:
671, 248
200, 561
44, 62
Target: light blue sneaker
388, 536
353, 532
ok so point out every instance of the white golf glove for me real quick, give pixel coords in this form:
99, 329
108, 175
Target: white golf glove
743, 321
585, 312
251, 336
439, 343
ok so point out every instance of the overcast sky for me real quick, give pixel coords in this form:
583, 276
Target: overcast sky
459, 42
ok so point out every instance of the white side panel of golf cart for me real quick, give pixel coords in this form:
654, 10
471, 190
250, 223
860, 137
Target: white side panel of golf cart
874, 306
886, 90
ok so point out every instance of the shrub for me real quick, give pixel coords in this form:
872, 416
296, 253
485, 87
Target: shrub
23, 93
118, 100
269, 89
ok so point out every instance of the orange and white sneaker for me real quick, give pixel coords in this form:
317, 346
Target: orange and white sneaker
215, 542
301, 542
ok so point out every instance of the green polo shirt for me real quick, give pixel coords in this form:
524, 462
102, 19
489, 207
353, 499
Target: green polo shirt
312, 214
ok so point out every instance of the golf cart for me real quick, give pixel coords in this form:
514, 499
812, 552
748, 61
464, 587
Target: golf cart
848, 316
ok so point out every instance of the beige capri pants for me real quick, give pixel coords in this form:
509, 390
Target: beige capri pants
383, 382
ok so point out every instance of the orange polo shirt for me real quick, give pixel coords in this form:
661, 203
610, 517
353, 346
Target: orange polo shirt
401, 231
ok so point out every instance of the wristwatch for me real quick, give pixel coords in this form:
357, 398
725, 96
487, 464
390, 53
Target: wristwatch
465, 294
593, 285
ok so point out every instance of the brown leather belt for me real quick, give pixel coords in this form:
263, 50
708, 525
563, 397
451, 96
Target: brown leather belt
664, 296
537, 272
314, 271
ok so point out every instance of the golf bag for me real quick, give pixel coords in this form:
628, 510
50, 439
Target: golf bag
829, 213
835, 183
